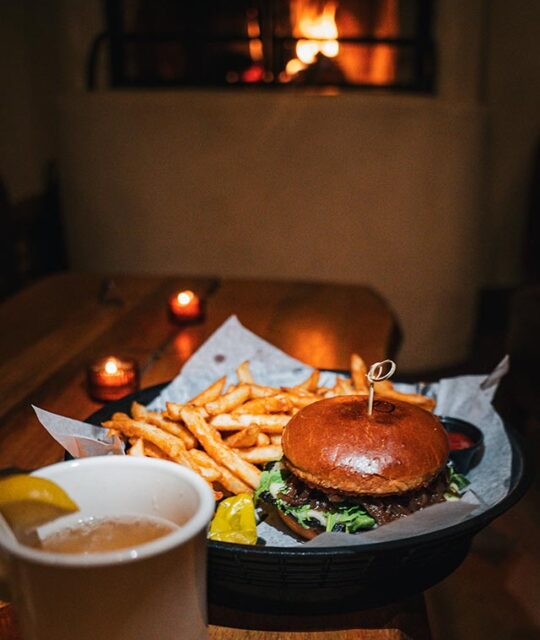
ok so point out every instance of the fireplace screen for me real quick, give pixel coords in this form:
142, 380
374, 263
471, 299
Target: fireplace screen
279, 43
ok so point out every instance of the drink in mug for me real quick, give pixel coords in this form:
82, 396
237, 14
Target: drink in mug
130, 565
97, 535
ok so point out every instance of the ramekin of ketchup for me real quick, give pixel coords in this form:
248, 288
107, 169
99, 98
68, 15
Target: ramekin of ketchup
459, 440
466, 443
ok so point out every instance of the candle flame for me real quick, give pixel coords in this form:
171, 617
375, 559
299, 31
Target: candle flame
185, 297
111, 366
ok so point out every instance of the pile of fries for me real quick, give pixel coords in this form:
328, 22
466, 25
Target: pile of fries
224, 435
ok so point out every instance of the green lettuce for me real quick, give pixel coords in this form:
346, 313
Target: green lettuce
349, 519
272, 480
342, 517
457, 484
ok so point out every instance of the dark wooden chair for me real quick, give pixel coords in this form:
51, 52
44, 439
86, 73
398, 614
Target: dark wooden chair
31, 237
8, 263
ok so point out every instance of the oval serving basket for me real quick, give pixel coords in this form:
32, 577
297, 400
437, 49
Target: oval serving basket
337, 579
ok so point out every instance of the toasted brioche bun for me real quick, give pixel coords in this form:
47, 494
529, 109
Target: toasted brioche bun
295, 526
334, 445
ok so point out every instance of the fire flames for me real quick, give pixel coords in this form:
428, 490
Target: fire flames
320, 31
314, 24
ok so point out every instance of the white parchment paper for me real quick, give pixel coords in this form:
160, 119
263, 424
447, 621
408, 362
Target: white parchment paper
79, 439
466, 397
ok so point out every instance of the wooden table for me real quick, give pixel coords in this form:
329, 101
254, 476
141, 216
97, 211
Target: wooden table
50, 331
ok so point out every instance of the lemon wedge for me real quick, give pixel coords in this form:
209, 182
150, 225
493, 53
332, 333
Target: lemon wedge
27, 502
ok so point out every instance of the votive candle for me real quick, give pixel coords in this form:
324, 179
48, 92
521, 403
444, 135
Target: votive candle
111, 378
185, 307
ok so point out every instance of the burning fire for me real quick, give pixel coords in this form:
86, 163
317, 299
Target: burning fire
319, 33
314, 24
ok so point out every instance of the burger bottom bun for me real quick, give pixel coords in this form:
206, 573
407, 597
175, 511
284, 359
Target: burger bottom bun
301, 531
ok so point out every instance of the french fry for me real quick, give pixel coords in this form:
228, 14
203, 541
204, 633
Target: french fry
344, 387
151, 451
301, 401
274, 404
412, 398
137, 447
233, 483
243, 373
359, 373
383, 386
227, 480
204, 460
174, 410
120, 416
228, 402
205, 468
169, 444
310, 384
275, 439
141, 413
210, 394
260, 391
260, 455
263, 439
245, 438
269, 423
140, 447
299, 391
218, 450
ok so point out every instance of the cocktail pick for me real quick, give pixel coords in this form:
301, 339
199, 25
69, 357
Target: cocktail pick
376, 374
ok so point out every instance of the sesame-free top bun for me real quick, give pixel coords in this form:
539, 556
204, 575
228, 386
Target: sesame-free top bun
334, 445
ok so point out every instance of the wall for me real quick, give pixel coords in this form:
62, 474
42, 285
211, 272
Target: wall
26, 139
352, 188
513, 96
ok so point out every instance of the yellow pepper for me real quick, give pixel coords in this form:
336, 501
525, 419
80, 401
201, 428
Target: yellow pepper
235, 521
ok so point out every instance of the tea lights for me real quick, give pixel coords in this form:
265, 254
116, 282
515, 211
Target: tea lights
112, 378
185, 307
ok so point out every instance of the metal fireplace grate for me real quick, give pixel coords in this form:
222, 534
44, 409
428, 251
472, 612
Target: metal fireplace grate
362, 44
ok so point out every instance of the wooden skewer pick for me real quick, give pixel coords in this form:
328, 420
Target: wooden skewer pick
376, 374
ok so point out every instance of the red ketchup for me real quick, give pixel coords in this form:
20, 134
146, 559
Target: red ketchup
459, 440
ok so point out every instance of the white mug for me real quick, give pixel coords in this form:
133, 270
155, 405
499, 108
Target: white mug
154, 591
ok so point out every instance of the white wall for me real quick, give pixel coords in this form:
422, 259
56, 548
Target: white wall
352, 188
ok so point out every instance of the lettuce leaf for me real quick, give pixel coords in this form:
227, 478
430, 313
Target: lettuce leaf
349, 519
457, 484
272, 480
344, 517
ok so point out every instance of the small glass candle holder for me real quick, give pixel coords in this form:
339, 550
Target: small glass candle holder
111, 378
185, 307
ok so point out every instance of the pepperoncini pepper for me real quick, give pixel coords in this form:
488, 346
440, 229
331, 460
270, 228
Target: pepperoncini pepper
234, 521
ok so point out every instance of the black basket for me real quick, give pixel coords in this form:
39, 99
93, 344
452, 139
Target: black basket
336, 579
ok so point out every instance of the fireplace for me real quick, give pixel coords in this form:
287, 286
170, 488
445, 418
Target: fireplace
362, 44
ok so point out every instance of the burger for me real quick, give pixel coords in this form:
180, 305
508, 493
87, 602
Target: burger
345, 471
